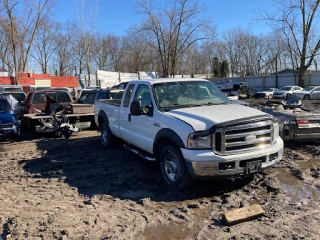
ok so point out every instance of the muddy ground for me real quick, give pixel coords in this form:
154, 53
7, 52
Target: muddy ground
75, 189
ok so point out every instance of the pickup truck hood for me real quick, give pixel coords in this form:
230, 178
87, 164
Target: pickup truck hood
204, 117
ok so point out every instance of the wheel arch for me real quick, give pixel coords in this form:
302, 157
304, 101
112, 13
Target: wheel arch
307, 96
164, 137
102, 117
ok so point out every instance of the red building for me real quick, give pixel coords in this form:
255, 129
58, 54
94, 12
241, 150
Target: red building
34, 79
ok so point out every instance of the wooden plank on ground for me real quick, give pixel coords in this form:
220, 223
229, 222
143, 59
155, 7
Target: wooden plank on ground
243, 214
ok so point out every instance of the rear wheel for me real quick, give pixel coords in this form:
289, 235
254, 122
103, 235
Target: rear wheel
107, 137
173, 168
306, 97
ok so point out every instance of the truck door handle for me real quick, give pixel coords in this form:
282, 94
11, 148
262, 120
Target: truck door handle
129, 117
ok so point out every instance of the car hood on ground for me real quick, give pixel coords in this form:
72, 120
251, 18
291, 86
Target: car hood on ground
6, 117
204, 117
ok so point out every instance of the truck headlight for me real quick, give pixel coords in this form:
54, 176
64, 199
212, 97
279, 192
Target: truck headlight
197, 142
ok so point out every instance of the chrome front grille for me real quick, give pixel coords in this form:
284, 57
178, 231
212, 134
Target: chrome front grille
243, 137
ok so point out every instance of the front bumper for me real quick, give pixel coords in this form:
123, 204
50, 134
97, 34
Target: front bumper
307, 132
205, 163
8, 131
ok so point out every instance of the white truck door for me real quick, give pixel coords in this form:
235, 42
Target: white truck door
140, 130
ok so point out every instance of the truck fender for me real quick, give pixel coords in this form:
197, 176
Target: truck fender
169, 136
102, 117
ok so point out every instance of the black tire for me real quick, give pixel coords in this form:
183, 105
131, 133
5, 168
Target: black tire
306, 97
107, 137
173, 168
269, 96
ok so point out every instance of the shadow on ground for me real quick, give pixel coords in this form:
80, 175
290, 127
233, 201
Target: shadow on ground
84, 163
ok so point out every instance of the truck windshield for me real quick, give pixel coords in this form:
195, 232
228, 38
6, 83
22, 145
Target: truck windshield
188, 93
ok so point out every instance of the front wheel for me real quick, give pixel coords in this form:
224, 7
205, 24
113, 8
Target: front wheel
173, 168
306, 97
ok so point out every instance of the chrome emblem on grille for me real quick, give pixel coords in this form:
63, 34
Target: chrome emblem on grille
250, 138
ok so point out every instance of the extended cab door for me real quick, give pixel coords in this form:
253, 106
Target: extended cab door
139, 130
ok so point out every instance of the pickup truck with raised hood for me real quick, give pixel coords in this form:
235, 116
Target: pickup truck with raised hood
192, 128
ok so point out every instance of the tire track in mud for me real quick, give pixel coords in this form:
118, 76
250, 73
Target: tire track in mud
76, 189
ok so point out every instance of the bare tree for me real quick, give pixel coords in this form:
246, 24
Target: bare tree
234, 41
297, 19
79, 50
140, 55
63, 59
5, 46
21, 27
106, 51
193, 61
87, 15
212, 52
45, 44
174, 29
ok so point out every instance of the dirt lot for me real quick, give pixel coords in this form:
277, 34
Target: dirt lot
75, 189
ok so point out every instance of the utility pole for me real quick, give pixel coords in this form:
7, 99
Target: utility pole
277, 83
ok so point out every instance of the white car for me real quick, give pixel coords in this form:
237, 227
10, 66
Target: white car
266, 93
284, 91
308, 93
231, 94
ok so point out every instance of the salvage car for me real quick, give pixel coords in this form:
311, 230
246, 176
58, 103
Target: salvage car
231, 94
265, 93
191, 128
246, 91
285, 91
35, 106
9, 124
308, 93
295, 122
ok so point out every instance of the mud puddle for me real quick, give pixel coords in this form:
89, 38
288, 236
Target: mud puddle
172, 231
177, 230
295, 187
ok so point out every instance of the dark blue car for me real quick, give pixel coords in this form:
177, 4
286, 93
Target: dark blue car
9, 124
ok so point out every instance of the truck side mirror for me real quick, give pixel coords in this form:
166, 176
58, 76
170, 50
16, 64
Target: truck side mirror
135, 108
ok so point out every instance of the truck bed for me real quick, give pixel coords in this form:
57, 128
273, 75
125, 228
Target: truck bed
115, 102
44, 115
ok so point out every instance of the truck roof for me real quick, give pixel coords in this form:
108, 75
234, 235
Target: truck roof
161, 80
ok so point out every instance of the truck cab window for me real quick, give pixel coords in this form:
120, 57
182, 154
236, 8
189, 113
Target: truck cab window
143, 95
128, 95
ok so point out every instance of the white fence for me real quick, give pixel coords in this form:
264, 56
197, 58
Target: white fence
6, 74
260, 82
108, 79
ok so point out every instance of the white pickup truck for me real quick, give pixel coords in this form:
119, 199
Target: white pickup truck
192, 128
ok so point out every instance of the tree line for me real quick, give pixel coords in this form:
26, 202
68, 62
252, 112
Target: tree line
178, 38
